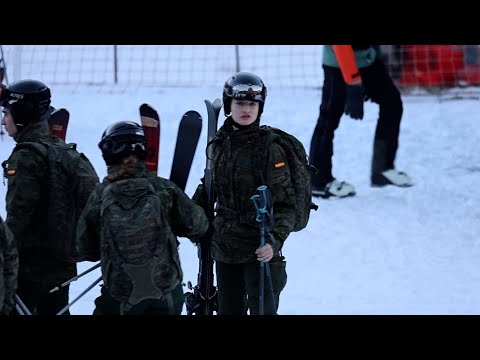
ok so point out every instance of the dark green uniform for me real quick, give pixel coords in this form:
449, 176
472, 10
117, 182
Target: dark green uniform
184, 218
27, 202
8, 269
236, 232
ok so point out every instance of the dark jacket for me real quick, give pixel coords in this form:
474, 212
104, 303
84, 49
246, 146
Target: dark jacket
183, 217
26, 203
236, 178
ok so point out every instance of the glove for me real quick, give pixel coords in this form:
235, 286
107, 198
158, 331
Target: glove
354, 101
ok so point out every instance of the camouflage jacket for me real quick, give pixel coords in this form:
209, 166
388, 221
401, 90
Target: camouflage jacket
236, 177
26, 202
8, 269
184, 217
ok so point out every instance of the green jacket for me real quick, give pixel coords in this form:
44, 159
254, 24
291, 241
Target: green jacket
26, 204
184, 217
236, 178
8, 269
364, 56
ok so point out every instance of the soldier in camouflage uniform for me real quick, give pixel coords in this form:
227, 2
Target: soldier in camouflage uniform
8, 269
26, 108
236, 176
123, 148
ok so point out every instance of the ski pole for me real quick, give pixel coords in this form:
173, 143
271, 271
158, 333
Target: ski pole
20, 306
269, 277
61, 312
260, 218
262, 268
267, 207
19, 309
74, 278
263, 205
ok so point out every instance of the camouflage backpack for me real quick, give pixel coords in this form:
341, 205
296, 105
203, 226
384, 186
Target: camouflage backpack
137, 245
71, 180
300, 171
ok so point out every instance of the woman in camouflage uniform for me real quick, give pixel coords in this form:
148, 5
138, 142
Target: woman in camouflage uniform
237, 174
141, 267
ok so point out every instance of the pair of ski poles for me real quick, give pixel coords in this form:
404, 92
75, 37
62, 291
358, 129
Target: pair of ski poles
263, 206
22, 309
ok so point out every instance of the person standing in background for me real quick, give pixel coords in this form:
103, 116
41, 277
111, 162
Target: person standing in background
353, 74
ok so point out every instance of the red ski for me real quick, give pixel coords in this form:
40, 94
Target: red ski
151, 125
58, 123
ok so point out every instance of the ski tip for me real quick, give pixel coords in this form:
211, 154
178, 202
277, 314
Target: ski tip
192, 112
60, 111
147, 110
147, 107
217, 103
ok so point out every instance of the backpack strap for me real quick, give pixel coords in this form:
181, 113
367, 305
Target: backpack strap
267, 137
40, 147
105, 199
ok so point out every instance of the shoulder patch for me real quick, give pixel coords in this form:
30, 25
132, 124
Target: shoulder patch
280, 164
11, 172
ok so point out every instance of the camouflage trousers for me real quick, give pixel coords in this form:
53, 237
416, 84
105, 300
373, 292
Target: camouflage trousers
170, 304
239, 285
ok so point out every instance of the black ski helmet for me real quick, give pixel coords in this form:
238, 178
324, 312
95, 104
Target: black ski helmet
27, 100
244, 86
122, 139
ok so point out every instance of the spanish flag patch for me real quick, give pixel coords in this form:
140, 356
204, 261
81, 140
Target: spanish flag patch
11, 172
279, 165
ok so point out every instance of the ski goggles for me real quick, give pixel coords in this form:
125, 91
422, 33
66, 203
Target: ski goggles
249, 92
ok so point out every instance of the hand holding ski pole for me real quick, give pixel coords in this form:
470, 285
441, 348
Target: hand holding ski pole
264, 209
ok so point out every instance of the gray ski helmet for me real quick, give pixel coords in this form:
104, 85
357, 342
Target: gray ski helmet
244, 86
27, 100
122, 139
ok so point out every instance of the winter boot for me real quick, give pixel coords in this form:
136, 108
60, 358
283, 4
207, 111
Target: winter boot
334, 188
383, 172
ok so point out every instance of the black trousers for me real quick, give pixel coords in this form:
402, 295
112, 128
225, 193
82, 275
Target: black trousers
39, 301
381, 89
239, 284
